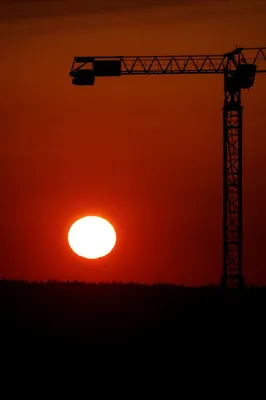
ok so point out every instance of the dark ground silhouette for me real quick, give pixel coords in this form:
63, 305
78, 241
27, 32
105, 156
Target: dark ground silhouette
127, 313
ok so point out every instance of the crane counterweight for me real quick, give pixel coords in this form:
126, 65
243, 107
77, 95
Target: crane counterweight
83, 77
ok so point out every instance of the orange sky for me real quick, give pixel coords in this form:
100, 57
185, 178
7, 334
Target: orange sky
144, 152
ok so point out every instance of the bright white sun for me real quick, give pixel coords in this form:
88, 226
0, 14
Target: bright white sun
92, 237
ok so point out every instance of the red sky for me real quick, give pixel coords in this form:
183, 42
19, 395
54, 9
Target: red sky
144, 152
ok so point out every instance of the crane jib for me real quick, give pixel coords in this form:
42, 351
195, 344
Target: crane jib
86, 68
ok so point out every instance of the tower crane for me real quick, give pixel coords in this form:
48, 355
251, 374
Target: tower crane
239, 68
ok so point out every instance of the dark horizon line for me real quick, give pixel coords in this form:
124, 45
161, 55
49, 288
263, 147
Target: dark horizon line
120, 283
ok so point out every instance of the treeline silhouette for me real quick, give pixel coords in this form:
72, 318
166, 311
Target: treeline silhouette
128, 312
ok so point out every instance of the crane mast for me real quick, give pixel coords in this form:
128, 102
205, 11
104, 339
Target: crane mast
239, 68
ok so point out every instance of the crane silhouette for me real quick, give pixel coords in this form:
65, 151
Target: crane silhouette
239, 68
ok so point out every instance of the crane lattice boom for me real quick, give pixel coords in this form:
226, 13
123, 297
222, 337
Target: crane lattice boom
184, 64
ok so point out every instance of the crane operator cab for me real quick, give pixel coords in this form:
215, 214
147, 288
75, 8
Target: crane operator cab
243, 77
246, 75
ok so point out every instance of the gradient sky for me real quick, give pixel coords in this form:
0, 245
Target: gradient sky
143, 152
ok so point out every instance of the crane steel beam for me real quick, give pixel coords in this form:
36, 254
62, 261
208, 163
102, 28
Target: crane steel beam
239, 68
183, 64
232, 190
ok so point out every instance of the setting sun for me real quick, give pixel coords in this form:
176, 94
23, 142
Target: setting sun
92, 237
